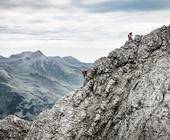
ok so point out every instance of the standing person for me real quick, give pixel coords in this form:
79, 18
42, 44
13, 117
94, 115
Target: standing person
130, 36
84, 72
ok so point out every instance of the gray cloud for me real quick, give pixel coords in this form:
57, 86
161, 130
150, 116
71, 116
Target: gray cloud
86, 29
128, 5
95, 6
36, 4
23, 3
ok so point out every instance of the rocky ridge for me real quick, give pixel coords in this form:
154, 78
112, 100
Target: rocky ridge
13, 127
125, 96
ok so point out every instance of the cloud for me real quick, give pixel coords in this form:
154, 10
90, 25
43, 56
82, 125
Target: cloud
80, 34
35, 4
90, 5
86, 29
128, 5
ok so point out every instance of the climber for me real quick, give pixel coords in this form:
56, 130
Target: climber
84, 72
130, 36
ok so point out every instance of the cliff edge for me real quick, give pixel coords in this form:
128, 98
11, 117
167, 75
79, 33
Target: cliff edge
125, 96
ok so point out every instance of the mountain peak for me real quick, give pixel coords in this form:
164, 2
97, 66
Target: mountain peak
70, 58
37, 54
1, 57
20, 55
28, 54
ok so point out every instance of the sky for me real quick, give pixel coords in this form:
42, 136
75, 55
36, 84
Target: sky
84, 29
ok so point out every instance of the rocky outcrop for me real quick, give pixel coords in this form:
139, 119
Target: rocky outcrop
125, 96
13, 128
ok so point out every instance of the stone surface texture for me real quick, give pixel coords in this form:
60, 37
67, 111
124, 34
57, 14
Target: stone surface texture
126, 96
13, 128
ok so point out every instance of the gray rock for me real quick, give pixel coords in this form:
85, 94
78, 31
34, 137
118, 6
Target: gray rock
126, 98
13, 128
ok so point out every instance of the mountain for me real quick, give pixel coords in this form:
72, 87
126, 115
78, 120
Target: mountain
126, 96
30, 82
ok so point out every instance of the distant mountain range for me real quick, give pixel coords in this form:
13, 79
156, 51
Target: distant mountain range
31, 82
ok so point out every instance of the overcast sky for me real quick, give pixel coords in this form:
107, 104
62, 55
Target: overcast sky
85, 29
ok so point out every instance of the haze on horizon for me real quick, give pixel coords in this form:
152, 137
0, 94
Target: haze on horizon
84, 29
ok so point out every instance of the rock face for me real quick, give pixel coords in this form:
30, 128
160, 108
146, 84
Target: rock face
126, 96
30, 82
13, 128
